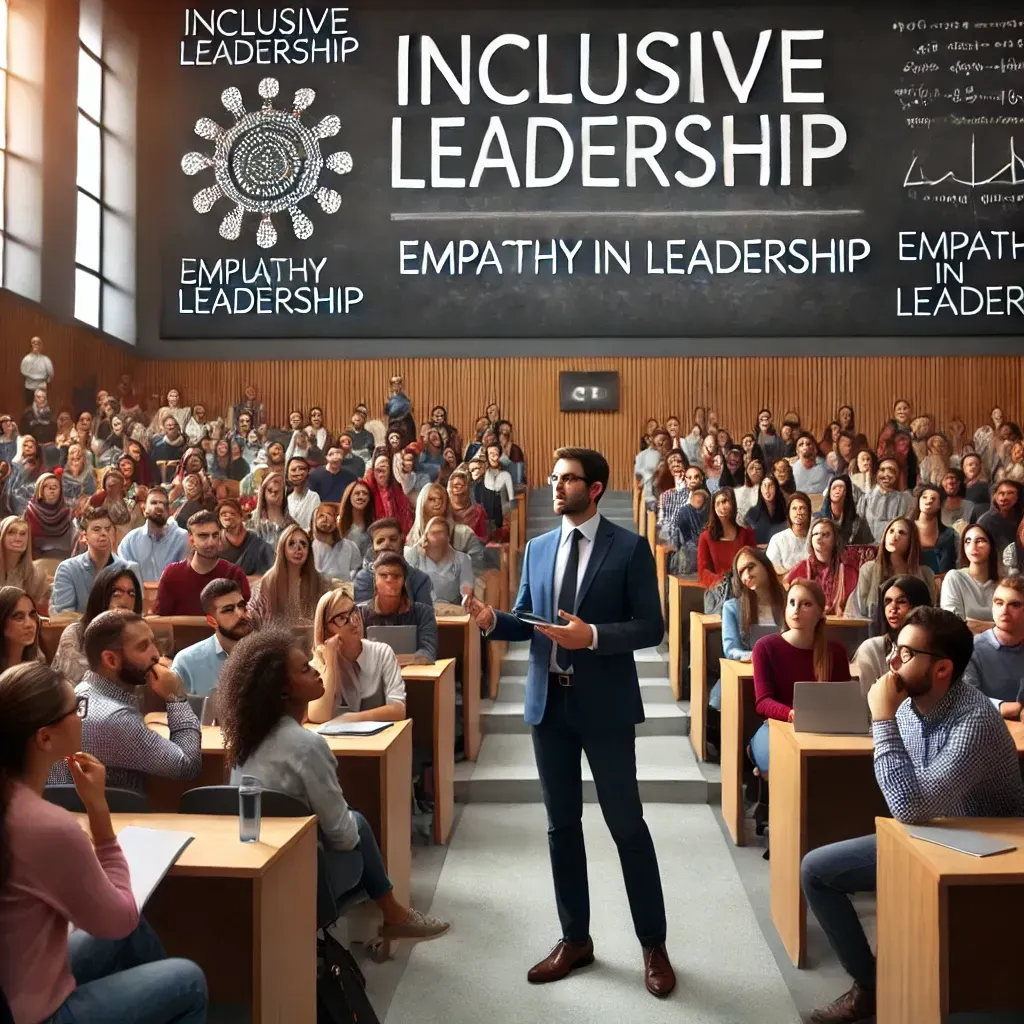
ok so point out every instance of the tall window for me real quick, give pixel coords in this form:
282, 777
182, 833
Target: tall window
105, 238
3, 138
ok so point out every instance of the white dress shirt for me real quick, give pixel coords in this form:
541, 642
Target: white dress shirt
302, 507
586, 546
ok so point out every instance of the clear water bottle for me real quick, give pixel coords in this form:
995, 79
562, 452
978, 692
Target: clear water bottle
249, 799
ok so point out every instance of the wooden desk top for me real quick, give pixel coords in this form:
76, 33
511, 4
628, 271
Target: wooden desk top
962, 867
711, 621
341, 746
216, 849
423, 673
815, 743
452, 620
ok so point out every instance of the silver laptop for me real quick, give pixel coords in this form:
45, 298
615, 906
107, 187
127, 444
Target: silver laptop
401, 639
205, 708
759, 632
833, 708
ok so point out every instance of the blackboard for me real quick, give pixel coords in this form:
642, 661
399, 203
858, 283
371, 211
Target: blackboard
909, 224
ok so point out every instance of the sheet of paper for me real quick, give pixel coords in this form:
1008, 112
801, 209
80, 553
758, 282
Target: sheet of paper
337, 728
151, 853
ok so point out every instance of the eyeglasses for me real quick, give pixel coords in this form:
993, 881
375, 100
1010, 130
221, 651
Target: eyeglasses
568, 479
81, 709
907, 653
344, 618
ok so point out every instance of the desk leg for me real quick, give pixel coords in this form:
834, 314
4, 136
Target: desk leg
698, 689
395, 835
912, 932
675, 637
284, 934
444, 755
733, 706
471, 691
786, 824
661, 569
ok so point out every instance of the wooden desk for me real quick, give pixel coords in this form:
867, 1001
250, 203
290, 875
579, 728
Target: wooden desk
430, 700
375, 773
661, 557
245, 912
459, 639
945, 922
651, 529
739, 721
705, 652
684, 596
823, 791
185, 630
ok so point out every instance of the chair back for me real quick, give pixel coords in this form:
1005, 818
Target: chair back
6, 1017
120, 801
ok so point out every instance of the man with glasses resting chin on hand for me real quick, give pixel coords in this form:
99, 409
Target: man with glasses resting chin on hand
594, 586
941, 751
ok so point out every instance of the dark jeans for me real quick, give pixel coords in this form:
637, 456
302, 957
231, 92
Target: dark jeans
829, 876
558, 746
362, 867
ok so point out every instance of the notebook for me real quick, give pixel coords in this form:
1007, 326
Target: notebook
977, 844
401, 639
831, 708
353, 728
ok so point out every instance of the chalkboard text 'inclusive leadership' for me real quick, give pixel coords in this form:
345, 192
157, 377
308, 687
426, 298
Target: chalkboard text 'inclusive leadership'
611, 147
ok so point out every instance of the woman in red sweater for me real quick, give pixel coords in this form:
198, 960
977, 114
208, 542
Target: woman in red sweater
720, 540
824, 565
113, 960
803, 653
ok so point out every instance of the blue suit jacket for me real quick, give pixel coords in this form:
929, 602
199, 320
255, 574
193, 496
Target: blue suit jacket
619, 595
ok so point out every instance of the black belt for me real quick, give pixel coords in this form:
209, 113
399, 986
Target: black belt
561, 678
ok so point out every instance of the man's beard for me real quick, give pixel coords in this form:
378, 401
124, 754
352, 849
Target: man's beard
574, 507
241, 629
916, 689
157, 518
131, 675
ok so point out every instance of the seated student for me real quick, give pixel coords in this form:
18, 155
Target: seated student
685, 532
74, 577
955, 506
464, 510
288, 591
355, 514
156, 544
883, 503
302, 500
810, 471
181, 583
899, 553
967, 591
362, 679
750, 491
392, 606
768, 515
789, 547
111, 966
758, 600
330, 481
385, 535
782, 471
336, 558
942, 753
1004, 518
938, 541
19, 629
49, 518
117, 588
433, 501
123, 658
16, 566
898, 596
265, 691
997, 664
199, 666
802, 653
720, 540
350, 462
239, 546
824, 564
976, 488
450, 571
489, 500
841, 507
670, 486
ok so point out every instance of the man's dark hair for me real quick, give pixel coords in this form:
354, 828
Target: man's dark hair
808, 435
232, 503
105, 633
386, 523
94, 515
654, 434
296, 458
387, 558
153, 490
204, 517
334, 447
594, 464
948, 636
216, 589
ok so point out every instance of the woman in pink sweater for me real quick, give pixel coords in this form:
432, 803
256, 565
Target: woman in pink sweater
112, 968
801, 654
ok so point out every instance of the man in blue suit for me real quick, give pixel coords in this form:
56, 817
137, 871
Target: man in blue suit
583, 696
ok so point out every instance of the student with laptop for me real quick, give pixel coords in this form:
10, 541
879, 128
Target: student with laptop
942, 753
803, 652
997, 664
897, 598
392, 606
362, 679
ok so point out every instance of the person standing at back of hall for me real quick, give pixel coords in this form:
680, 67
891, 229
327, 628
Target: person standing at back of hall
597, 586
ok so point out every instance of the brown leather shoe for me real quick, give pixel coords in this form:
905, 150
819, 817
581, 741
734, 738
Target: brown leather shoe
850, 1008
658, 974
561, 961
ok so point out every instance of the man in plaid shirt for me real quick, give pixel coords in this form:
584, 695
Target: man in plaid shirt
941, 751
123, 658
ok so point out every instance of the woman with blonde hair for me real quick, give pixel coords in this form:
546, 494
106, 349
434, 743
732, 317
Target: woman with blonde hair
270, 516
450, 571
288, 591
824, 565
50, 520
355, 513
16, 566
433, 501
899, 554
77, 478
801, 653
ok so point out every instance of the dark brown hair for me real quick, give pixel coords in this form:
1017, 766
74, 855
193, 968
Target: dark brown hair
594, 465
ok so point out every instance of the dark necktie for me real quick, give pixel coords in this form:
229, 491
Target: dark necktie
567, 595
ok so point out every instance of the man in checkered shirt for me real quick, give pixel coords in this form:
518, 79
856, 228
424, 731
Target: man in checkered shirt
123, 658
941, 751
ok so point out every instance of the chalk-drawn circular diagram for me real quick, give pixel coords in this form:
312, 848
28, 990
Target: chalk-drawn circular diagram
267, 162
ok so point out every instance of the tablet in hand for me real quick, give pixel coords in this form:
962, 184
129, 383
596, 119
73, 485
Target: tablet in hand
533, 620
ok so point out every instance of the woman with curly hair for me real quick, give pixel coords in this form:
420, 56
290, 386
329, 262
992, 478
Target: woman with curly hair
264, 692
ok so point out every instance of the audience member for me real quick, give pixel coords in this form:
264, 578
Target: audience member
167, 451
385, 535
489, 500
116, 589
840, 506
686, 530
803, 652
810, 472
331, 481
362, 679
336, 558
433, 501
161, 541
398, 410
250, 404
264, 695
464, 511
767, 437
302, 501
288, 591
955, 506
967, 591
450, 571
356, 514
181, 583
36, 369
898, 596
19, 628
226, 610
647, 462
350, 462
782, 470
717, 547
239, 546
940, 752
391, 605
51, 965
271, 515
747, 495
74, 577
77, 479
899, 553
123, 657
389, 501
997, 664
16, 566
976, 488
733, 469
673, 493
938, 542
789, 546
1004, 518
37, 419
824, 565
362, 440
884, 503
24, 476
768, 516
